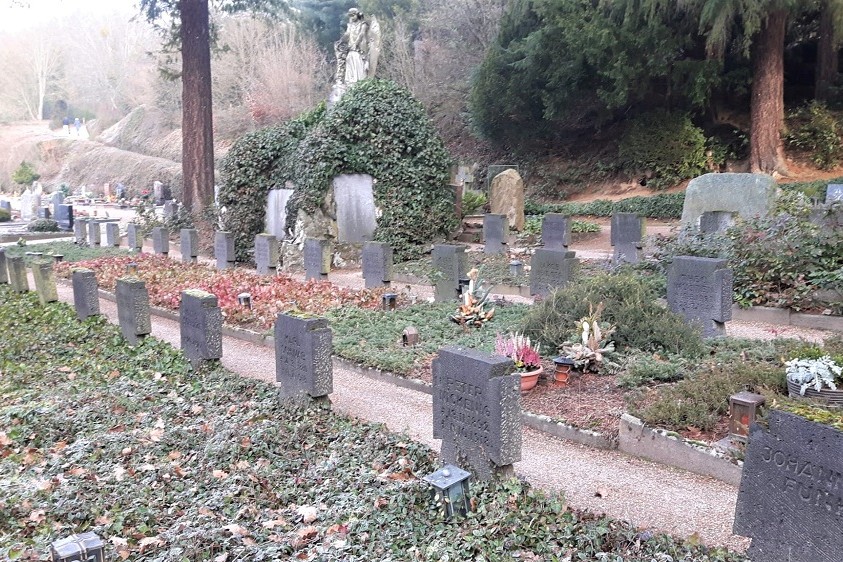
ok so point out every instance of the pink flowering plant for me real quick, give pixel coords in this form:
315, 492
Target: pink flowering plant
520, 349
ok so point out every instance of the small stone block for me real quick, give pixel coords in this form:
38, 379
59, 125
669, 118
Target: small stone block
80, 231
551, 269
134, 238
200, 320
45, 281
224, 249
17, 274
266, 254
303, 364
161, 240
189, 245
86, 299
451, 264
377, 264
112, 234
495, 230
317, 259
64, 217
627, 233
94, 239
133, 309
701, 290
556, 231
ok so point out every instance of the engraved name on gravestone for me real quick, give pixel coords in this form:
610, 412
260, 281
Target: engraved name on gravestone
133, 309
266, 254
161, 240
134, 238
716, 221
112, 234
551, 269
200, 322
627, 233
834, 193
224, 249
495, 229
80, 231
377, 264
86, 299
17, 274
45, 281
477, 411
451, 264
791, 494
94, 238
189, 245
303, 364
556, 231
64, 217
317, 259
700, 289
4, 272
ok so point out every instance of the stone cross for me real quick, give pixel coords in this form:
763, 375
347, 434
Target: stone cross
200, 320
266, 254
64, 217
189, 245
451, 265
477, 411
495, 230
303, 364
45, 281
94, 233
85, 293
700, 289
551, 269
80, 231
4, 272
627, 234
134, 238
17, 274
133, 309
161, 240
224, 249
377, 264
112, 234
556, 231
317, 259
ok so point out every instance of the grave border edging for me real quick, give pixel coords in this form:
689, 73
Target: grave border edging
787, 317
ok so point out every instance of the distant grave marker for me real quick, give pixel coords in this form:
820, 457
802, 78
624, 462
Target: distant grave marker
550, 270
224, 249
17, 274
303, 364
161, 240
85, 293
133, 309
4, 271
556, 231
377, 264
627, 234
189, 245
134, 238
94, 233
80, 231
700, 289
266, 254
451, 265
200, 322
45, 281
317, 259
495, 230
112, 234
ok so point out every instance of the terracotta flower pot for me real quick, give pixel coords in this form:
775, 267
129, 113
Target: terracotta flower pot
529, 379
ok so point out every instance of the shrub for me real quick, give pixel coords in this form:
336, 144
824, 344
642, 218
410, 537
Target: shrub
472, 201
660, 206
5, 216
643, 369
817, 131
43, 225
25, 174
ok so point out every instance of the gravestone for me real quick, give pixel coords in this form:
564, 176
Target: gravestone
64, 217
716, 221
6, 205
791, 494
80, 231
494, 169
377, 264
26, 205
556, 231
224, 249
303, 364
44, 213
112, 234
317, 259
700, 289
133, 309
161, 240
834, 193
451, 264
356, 213
86, 299
266, 254
747, 195
4, 272
276, 212
57, 200
477, 411
93, 233
17, 274
45, 281
200, 322
134, 238
189, 245
161, 193
506, 197
627, 235
171, 209
551, 269
495, 230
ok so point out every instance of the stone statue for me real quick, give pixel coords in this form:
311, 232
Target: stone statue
357, 52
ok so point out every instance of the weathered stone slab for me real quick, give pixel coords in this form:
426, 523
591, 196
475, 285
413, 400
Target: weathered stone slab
171, 209
161, 240
86, 299
94, 233
224, 249
303, 364
317, 259
134, 238
189, 245
200, 321
495, 230
627, 234
451, 265
550, 270
45, 281
556, 231
64, 217
112, 234
4, 271
266, 254
276, 212
377, 264
133, 309
700, 289
506, 197
356, 210
791, 495
746, 195
493, 170
716, 221
17, 274
80, 231
834, 193
477, 411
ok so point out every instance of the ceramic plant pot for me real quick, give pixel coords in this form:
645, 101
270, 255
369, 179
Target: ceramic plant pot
529, 379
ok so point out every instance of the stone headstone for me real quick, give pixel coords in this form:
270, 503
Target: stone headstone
556, 231
451, 264
189, 245
64, 217
477, 411
160, 193
134, 238
200, 321
627, 235
44, 213
45, 281
6, 205
303, 364
17, 274
506, 197
791, 494
4, 272
377, 264
57, 200
494, 170
276, 212
716, 221
26, 205
495, 230
93, 233
747, 195
133, 309
80, 231
317, 259
171, 209
224, 249
356, 213
161, 240
700, 289
266, 254
112, 234
834, 193
550, 270
86, 299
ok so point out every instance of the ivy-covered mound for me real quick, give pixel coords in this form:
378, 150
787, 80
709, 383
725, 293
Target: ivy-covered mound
376, 128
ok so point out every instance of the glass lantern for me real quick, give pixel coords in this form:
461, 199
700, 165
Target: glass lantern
743, 409
450, 490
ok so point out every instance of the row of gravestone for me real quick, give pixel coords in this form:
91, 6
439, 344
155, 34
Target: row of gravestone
13, 272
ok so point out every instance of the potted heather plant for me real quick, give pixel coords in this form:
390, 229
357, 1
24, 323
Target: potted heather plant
526, 357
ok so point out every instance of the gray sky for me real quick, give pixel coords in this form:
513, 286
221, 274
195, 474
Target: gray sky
39, 12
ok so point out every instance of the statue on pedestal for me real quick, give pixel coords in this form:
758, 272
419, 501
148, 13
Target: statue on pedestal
357, 52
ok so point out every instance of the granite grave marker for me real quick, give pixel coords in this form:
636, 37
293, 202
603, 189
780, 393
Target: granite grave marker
266, 254
64, 217
200, 322
133, 309
451, 264
85, 293
112, 234
45, 281
747, 195
700, 289
134, 238
17, 274
556, 231
189, 245
356, 209
224, 249
716, 221
495, 230
94, 233
161, 240
317, 259
551, 269
80, 231
627, 234
303, 364
377, 264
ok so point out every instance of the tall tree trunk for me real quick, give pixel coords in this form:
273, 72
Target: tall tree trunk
766, 150
197, 114
826, 73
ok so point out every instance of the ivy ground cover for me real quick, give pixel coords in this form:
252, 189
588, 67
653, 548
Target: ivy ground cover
170, 464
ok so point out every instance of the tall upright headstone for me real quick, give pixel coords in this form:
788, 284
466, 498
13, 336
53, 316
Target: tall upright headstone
377, 264
134, 237
94, 233
451, 264
276, 212
80, 231
86, 299
17, 274
303, 364
161, 240
200, 321
4, 272
26, 203
317, 259
133, 309
495, 230
112, 234
700, 289
556, 231
506, 197
356, 211
550, 270
627, 236
224, 249
189, 245
477, 411
45, 281
57, 200
64, 217
266, 254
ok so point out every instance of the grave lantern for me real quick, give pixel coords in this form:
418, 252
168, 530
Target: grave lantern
132, 268
390, 301
410, 337
564, 365
743, 409
516, 268
450, 490
245, 300
462, 286
58, 257
84, 547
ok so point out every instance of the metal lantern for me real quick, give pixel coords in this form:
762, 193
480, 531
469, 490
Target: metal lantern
132, 268
743, 409
245, 300
410, 337
58, 257
84, 547
564, 366
450, 490
390, 301
516, 268
462, 286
